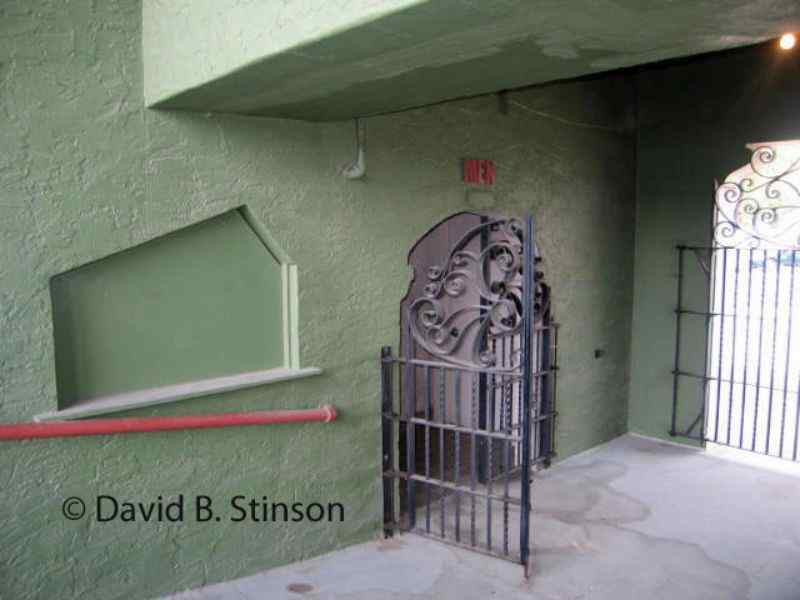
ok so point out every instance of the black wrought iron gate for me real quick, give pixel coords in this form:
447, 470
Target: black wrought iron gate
746, 385
469, 405
737, 362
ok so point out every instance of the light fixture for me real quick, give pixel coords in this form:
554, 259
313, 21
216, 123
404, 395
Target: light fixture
788, 41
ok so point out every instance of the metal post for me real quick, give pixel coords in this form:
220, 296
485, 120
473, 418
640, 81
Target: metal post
547, 379
506, 419
427, 449
774, 345
473, 458
554, 388
442, 419
733, 346
483, 385
457, 436
746, 345
788, 354
677, 361
410, 409
760, 350
527, 327
387, 408
721, 341
710, 302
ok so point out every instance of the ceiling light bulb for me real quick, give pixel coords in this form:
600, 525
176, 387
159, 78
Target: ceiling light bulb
788, 41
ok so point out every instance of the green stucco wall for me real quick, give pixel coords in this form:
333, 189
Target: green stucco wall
87, 171
202, 302
694, 121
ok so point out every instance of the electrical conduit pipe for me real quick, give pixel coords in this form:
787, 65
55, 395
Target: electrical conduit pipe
24, 431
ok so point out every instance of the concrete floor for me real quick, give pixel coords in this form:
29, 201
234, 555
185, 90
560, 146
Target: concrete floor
632, 519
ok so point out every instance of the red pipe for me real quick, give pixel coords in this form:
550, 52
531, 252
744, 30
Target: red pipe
22, 431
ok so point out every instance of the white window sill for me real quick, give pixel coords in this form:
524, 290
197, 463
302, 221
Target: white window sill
171, 393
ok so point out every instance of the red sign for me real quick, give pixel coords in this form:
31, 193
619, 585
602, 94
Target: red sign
479, 171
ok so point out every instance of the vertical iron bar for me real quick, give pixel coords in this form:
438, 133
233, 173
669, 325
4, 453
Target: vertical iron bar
473, 448
525, 364
506, 462
516, 398
489, 459
711, 302
410, 409
538, 383
788, 354
553, 388
534, 402
482, 440
442, 430
746, 345
797, 423
387, 408
457, 435
721, 340
677, 358
547, 380
796, 426
534, 397
493, 402
427, 449
483, 377
733, 346
760, 348
774, 343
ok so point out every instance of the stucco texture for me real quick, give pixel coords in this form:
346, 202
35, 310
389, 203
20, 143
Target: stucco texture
686, 142
86, 170
189, 43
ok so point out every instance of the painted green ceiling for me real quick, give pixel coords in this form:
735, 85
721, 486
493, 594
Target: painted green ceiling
349, 59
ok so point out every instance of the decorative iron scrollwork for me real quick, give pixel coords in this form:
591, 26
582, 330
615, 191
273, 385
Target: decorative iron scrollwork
760, 203
475, 297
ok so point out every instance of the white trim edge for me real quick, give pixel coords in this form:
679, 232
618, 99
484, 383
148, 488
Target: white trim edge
172, 393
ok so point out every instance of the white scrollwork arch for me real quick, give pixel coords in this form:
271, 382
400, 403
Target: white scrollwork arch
759, 204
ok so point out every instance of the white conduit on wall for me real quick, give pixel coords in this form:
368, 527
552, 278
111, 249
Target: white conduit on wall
358, 168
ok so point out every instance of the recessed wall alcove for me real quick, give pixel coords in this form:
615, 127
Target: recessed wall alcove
205, 309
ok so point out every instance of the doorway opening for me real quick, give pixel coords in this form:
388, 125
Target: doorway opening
469, 401
750, 384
